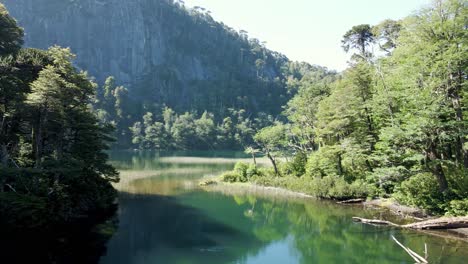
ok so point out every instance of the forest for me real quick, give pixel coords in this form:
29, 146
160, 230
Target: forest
173, 60
53, 164
394, 124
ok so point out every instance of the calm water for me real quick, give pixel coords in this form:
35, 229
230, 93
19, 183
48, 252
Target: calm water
164, 217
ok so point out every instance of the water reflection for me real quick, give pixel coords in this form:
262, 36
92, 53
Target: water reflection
165, 218
80, 244
159, 229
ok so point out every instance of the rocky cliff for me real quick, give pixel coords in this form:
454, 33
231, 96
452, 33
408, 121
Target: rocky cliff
163, 52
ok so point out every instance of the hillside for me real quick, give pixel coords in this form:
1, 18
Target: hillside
171, 57
164, 53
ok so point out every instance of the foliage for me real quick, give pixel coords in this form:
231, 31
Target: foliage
421, 190
11, 35
297, 166
393, 124
242, 172
458, 208
53, 168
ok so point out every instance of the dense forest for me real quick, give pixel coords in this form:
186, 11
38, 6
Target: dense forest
391, 128
53, 168
394, 123
165, 129
214, 81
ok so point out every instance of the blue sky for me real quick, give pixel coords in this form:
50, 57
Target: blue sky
306, 30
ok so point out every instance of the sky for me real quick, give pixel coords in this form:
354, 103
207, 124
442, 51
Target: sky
306, 30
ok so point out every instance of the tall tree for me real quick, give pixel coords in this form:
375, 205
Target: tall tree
11, 35
359, 37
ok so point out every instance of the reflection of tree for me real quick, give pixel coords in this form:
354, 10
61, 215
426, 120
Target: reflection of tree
164, 229
322, 232
77, 243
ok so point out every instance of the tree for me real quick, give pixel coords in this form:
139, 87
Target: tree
359, 37
386, 34
272, 141
54, 142
205, 130
11, 36
183, 131
252, 151
46, 98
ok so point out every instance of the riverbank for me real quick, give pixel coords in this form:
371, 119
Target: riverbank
404, 214
217, 184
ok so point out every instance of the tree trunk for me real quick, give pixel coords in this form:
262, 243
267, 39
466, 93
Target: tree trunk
4, 155
437, 169
339, 165
273, 162
254, 159
38, 144
454, 94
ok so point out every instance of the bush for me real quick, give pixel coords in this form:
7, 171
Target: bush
242, 172
297, 166
458, 208
421, 191
323, 162
229, 176
387, 178
334, 187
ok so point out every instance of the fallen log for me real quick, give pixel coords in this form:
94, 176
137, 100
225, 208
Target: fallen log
374, 221
351, 201
438, 223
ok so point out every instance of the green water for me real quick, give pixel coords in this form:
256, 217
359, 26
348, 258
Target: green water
164, 217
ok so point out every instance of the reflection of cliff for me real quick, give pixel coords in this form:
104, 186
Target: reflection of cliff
162, 52
158, 229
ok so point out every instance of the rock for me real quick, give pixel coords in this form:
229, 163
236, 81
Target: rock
167, 54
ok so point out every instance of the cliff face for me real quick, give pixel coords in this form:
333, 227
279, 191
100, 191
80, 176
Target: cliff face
161, 51
110, 37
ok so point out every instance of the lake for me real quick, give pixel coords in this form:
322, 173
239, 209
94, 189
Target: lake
165, 217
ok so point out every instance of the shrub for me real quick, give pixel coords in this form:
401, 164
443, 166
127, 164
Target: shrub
422, 191
387, 178
323, 162
458, 208
334, 187
297, 166
229, 176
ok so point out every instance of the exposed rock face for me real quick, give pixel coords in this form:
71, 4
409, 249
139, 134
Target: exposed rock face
154, 47
110, 37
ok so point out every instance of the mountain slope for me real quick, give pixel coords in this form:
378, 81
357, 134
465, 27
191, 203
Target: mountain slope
164, 53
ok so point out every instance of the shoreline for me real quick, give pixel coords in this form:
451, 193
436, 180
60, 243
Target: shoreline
251, 188
400, 211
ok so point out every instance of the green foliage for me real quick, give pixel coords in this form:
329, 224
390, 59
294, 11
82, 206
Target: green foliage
392, 124
242, 172
458, 208
359, 37
297, 166
334, 187
53, 165
422, 191
168, 130
11, 35
324, 162
230, 176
